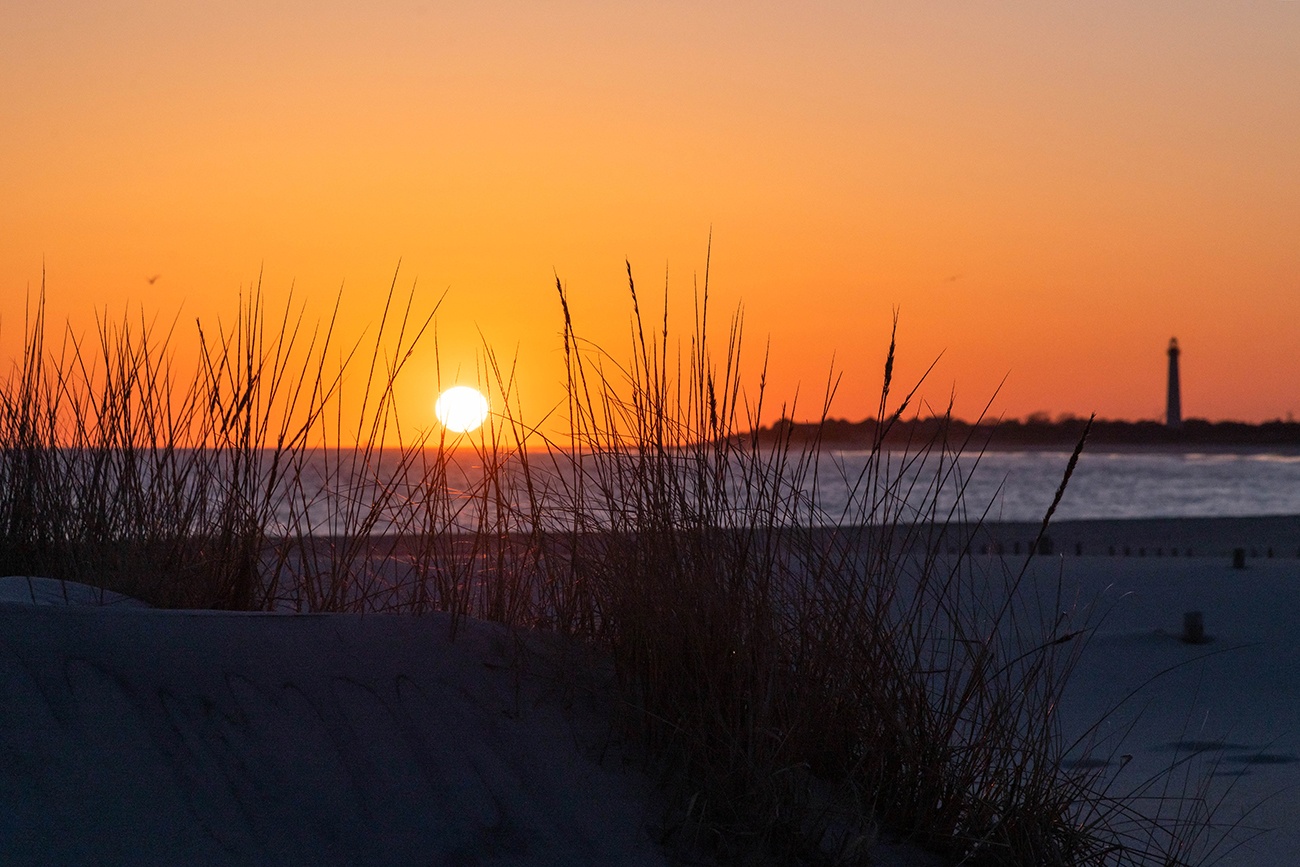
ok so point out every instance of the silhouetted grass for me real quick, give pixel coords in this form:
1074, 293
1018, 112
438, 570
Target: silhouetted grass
804, 679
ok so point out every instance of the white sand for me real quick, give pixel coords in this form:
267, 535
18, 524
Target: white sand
145, 737
138, 736
1229, 708
135, 736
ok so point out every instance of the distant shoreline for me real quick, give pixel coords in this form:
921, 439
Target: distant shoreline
1064, 433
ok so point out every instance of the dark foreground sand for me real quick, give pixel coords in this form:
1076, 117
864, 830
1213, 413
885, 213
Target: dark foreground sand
135, 736
145, 737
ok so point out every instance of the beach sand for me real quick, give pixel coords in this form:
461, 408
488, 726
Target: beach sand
131, 735
1227, 709
1275, 537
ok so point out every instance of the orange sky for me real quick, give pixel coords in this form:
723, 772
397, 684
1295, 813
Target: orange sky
1046, 193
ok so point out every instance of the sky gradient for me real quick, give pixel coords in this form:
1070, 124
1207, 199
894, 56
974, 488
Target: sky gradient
1044, 192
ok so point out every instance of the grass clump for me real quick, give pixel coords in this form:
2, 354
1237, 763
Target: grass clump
807, 680
814, 679
192, 490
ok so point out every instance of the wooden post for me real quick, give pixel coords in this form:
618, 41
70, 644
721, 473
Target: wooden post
1194, 628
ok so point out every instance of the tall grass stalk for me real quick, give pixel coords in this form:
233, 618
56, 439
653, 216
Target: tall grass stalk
807, 676
805, 679
197, 490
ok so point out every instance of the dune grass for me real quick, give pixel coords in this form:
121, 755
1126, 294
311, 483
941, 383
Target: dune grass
804, 680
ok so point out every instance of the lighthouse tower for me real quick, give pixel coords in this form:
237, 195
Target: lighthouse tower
1173, 400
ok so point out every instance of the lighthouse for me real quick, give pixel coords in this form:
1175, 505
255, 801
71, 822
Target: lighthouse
1173, 400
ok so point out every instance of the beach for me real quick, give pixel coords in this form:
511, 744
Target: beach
1226, 709
522, 434
135, 735
1264, 537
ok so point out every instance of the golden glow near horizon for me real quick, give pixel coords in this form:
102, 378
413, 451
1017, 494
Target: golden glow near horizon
1044, 193
461, 409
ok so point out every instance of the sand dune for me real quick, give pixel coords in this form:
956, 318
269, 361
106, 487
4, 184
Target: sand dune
149, 737
140, 736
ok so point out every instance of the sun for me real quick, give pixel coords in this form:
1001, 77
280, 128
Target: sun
461, 409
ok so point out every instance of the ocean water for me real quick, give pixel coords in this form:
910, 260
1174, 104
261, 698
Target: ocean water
999, 486
345, 493
1132, 483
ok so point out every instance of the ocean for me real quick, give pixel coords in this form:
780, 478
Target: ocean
1132, 483
1006, 486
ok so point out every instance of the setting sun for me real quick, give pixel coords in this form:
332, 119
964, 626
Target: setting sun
461, 408
915, 382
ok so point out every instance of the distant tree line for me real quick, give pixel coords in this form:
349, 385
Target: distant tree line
1038, 430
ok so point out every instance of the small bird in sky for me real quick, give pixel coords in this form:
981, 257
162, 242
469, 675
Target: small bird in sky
154, 279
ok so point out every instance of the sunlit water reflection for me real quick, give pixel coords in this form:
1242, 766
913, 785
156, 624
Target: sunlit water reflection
1007, 486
